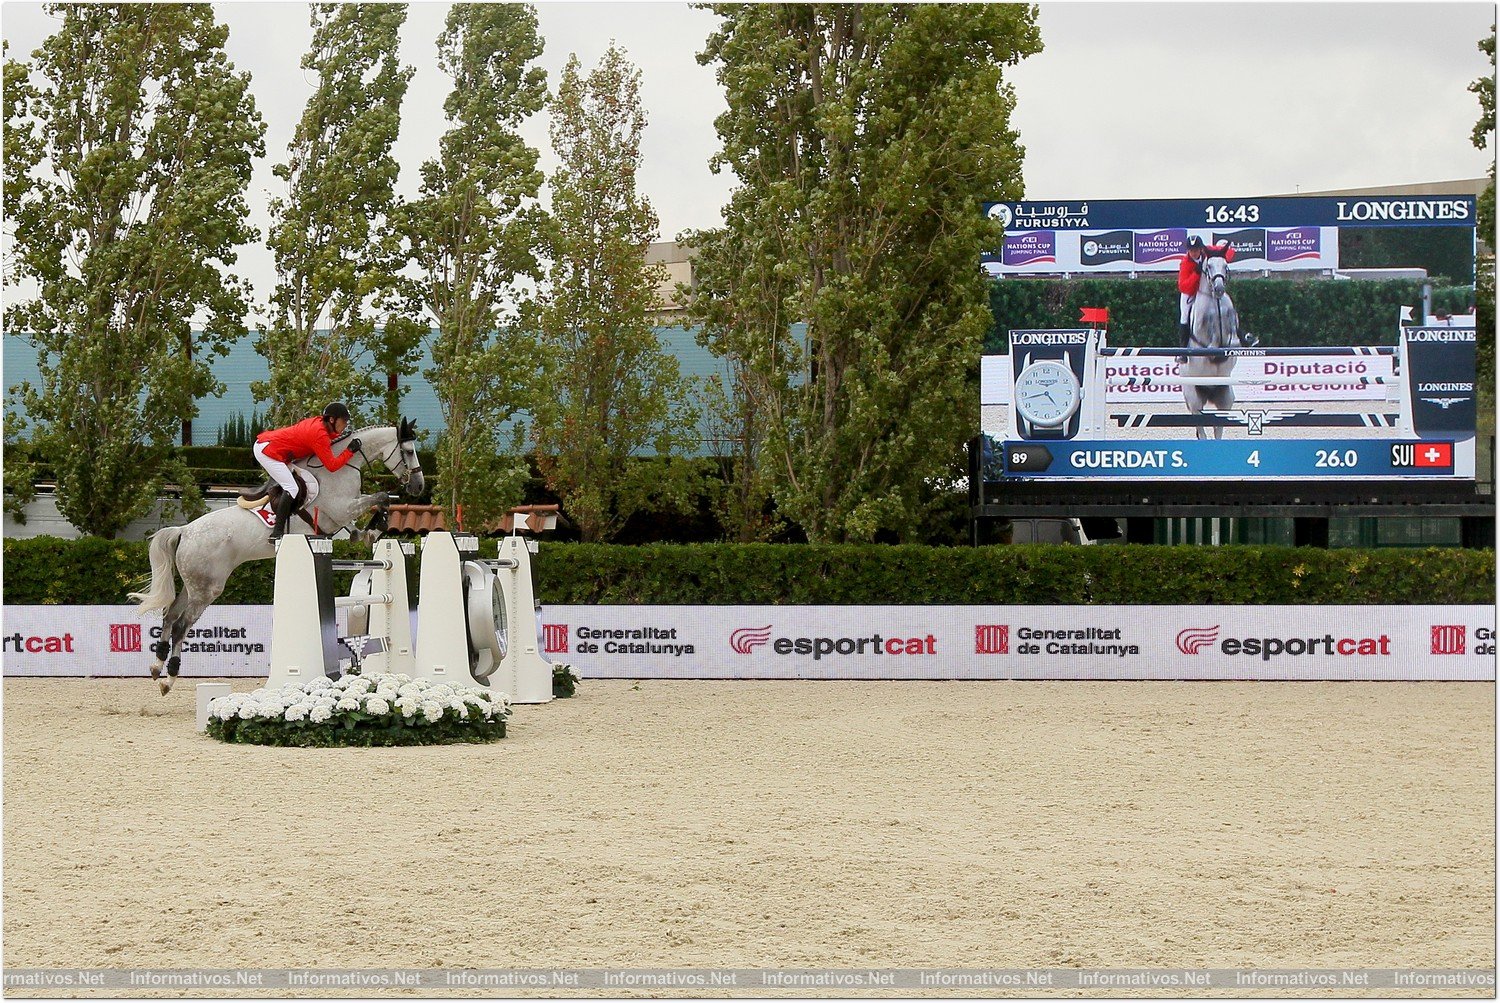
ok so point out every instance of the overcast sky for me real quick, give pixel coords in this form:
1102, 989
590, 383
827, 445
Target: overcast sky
1126, 100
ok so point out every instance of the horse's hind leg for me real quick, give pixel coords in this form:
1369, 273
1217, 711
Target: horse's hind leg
161, 649
185, 611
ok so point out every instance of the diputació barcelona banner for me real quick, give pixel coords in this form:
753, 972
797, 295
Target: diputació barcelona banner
1282, 233
856, 642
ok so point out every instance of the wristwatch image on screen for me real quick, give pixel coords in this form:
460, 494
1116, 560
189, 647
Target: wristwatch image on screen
1046, 395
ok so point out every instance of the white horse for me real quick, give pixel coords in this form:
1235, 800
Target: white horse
1215, 324
206, 550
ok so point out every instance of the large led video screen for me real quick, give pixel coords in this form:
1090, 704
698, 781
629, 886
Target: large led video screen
1230, 398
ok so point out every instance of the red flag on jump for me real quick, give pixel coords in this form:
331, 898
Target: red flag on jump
1094, 315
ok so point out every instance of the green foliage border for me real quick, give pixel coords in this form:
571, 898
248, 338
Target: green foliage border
356, 730
48, 570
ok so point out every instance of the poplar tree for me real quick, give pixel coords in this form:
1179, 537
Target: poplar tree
472, 237
145, 136
1484, 269
612, 394
323, 342
863, 137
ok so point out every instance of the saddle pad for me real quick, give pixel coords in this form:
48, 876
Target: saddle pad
266, 513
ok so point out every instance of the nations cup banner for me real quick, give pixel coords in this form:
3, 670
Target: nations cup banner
854, 642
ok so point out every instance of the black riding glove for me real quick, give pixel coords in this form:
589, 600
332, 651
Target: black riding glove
353, 446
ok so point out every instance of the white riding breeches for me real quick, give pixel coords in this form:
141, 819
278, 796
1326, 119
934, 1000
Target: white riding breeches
1186, 313
282, 474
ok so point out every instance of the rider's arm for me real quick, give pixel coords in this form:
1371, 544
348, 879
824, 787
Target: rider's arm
323, 447
1187, 276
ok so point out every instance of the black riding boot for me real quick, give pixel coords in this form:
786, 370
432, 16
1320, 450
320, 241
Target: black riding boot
1185, 335
285, 505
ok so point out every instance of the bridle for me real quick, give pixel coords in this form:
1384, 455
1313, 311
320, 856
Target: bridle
395, 451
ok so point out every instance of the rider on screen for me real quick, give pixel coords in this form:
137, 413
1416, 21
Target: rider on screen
1189, 272
275, 448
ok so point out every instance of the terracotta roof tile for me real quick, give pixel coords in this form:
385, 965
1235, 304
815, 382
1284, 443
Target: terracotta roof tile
427, 518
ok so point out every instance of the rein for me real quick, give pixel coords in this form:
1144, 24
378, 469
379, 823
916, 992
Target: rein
360, 452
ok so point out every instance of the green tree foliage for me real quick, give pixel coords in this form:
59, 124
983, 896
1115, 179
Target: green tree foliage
146, 136
240, 431
1484, 286
864, 137
1484, 90
471, 236
611, 391
732, 400
340, 176
23, 150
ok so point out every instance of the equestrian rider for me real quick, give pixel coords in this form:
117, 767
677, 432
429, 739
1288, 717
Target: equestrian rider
1189, 272
275, 448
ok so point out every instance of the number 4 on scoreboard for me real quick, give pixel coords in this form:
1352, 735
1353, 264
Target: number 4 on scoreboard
1254, 458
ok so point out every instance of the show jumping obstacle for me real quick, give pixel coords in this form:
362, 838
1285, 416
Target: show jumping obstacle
1097, 419
304, 638
465, 608
478, 617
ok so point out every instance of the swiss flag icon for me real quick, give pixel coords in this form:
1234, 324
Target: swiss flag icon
1433, 454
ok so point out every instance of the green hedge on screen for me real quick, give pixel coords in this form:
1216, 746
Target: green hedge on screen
91, 571
1143, 312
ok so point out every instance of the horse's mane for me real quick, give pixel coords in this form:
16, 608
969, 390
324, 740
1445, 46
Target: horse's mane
357, 431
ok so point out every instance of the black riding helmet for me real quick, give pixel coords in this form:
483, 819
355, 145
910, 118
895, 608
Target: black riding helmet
335, 411
1195, 243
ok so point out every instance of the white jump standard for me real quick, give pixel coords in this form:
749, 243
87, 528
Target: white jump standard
304, 638
477, 618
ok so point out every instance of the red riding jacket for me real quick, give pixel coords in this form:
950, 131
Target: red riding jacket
1190, 271
304, 439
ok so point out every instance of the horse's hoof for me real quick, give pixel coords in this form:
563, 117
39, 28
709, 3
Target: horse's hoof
156, 671
166, 686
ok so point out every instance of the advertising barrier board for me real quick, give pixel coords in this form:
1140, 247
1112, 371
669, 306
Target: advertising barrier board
860, 642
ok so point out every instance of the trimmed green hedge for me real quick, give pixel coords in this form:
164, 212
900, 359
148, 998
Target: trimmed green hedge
48, 570
1143, 311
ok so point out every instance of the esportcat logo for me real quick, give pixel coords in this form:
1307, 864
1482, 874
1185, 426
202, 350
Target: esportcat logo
747, 639
1195, 639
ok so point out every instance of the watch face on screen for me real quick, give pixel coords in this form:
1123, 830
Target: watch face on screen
1047, 393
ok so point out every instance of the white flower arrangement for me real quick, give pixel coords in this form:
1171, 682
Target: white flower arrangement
325, 702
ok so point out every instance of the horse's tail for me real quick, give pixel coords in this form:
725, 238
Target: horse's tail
163, 572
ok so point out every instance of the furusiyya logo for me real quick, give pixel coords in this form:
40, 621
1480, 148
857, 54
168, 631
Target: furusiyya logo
1194, 640
746, 640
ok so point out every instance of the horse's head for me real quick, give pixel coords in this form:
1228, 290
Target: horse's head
1215, 275
408, 465
396, 447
